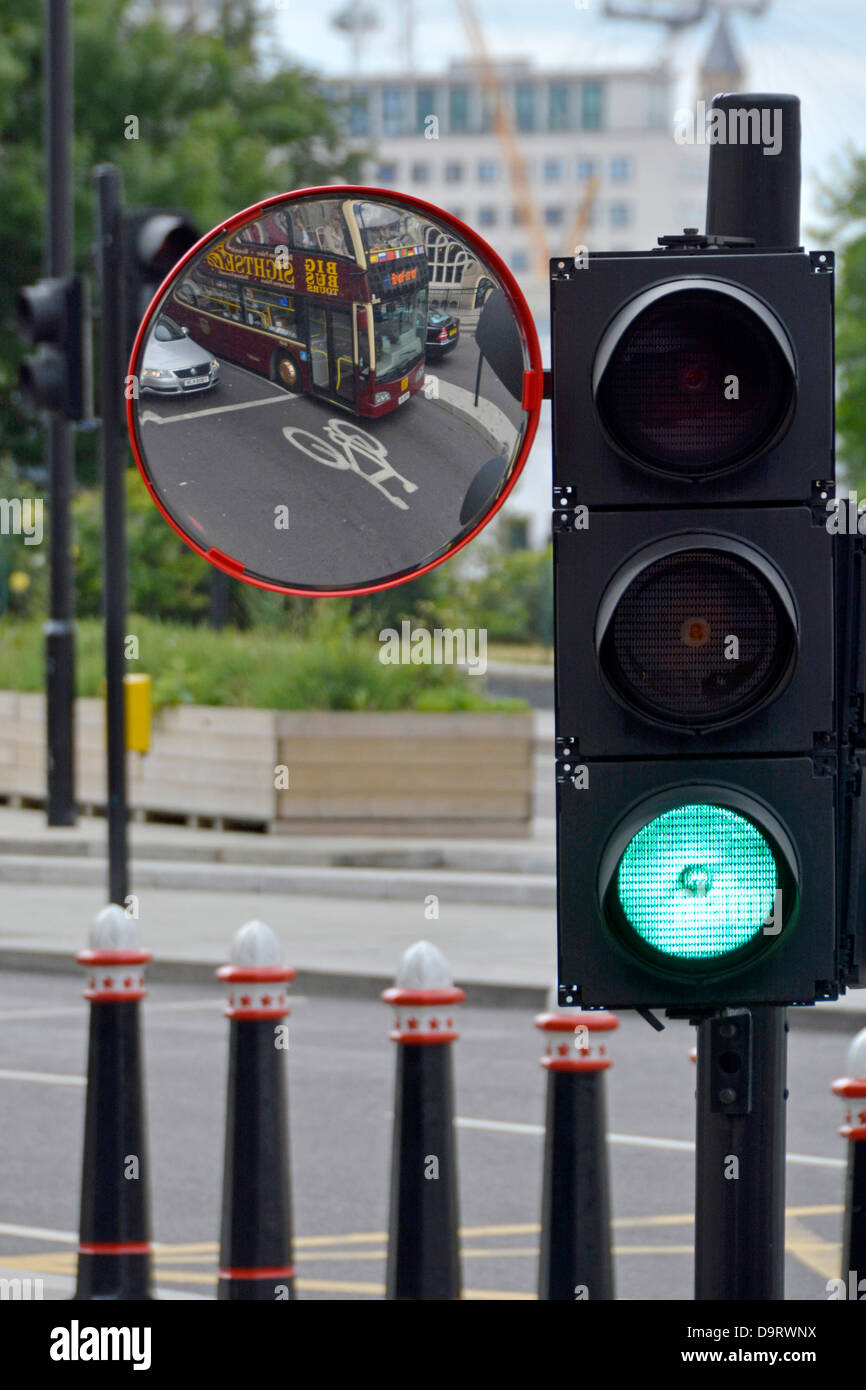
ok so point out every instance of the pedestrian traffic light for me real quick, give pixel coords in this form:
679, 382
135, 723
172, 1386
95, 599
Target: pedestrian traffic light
699, 741
54, 314
155, 239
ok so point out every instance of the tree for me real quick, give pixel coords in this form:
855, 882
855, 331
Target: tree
202, 116
844, 206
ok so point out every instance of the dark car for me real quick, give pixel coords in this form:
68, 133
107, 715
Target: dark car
443, 331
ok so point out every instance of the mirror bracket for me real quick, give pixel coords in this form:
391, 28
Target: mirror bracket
537, 387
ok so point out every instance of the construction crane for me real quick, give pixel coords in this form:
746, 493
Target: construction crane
357, 21
678, 14
517, 174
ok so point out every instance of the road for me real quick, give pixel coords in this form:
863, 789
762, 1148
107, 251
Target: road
338, 500
341, 1078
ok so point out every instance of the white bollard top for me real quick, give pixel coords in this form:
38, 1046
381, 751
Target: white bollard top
256, 945
857, 1056
113, 930
424, 967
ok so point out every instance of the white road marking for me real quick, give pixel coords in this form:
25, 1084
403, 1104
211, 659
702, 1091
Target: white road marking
54, 1237
642, 1141
45, 1078
151, 416
68, 1010
8, 1228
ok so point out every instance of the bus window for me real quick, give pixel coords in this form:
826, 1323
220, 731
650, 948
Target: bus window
320, 225
270, 309
383, 227
400, 327
363, 343
318, 325
219, 297
343, 353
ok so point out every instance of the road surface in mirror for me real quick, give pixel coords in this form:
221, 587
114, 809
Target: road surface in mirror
310, 401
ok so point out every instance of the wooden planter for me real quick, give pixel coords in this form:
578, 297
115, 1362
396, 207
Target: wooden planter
362, 774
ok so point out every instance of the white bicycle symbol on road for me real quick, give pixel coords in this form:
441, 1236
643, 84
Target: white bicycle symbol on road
349, 444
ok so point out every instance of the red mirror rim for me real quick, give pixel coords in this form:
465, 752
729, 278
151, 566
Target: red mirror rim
532, 378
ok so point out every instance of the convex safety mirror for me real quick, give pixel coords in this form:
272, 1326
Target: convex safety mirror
334, 391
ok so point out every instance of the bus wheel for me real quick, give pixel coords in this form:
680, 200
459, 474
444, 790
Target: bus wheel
286, 372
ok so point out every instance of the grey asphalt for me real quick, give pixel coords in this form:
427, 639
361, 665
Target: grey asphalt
221, 464
340, 1065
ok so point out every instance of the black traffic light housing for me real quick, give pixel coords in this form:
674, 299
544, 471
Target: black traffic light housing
702, 745
615, 342
155, 239
54, 314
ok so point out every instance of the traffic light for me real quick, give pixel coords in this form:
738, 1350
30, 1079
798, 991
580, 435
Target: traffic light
701, 770
155, 239
54, 314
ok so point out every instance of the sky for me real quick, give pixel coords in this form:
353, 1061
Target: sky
814, 48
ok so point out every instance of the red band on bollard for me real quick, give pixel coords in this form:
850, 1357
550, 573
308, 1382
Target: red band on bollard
279, 1272
256, 1005
576, 1063
116, 1248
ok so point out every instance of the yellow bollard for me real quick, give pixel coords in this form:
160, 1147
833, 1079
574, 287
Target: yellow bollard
138, 704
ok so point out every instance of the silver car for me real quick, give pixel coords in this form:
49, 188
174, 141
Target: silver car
174, 364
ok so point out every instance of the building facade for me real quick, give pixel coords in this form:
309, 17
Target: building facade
434, 136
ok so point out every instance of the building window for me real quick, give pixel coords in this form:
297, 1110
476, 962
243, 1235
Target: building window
553, 216
558, 106
488, 171
524, 101
392, 110
658, 106
621, 168
359, 113
458, 109
488, 106
553, 170
387, 173
420, 172
586, 169
519, 261
591, 105
620, 214
425, 105
487, 217
453, 173
518, 217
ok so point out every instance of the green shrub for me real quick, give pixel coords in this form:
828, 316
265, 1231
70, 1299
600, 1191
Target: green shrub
333, 670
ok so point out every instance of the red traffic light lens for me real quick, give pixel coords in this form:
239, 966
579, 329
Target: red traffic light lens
694, 381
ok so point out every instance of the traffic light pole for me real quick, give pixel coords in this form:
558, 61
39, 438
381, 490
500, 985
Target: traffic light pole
60, 628
740, 1160
742, 1055
112, 366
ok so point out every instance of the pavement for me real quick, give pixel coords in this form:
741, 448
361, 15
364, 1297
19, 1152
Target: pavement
345, 907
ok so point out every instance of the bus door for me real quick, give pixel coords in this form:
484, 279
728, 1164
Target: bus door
330, 344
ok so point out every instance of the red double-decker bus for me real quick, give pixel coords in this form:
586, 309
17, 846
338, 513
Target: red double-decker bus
327, 297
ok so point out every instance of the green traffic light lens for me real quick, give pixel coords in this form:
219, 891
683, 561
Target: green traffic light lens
698, 882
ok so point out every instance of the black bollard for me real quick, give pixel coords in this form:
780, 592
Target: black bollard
114, 1256
852, 1089
256, 1237
575, 1260
423, 1242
